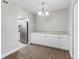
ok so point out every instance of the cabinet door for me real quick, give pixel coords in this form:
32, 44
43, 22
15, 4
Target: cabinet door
64, 43
38, 39
53, 41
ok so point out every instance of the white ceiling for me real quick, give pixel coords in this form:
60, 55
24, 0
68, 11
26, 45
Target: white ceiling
35, 5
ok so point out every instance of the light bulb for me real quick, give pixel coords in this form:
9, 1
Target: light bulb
39, 13
47, 13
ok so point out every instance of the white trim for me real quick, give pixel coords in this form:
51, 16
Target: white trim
12, 51
70, 54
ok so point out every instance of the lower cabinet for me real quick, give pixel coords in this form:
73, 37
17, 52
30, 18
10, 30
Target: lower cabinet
64, 42
53, 41
56, 41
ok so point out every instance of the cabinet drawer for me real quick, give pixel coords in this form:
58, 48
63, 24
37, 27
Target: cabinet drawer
64, 44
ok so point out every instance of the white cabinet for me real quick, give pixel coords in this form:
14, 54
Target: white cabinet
37, 38
53, 41
64, 43
56, 41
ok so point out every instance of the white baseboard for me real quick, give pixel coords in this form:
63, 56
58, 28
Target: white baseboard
70, 54
12, 51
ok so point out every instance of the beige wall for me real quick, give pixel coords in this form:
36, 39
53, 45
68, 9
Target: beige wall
70, 19
76, 30
72, 28
57, 21
9, 25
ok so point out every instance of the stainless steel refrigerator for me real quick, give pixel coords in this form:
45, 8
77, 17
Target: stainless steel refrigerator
23, 29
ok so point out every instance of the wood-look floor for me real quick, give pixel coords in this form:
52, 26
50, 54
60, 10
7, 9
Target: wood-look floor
39, 52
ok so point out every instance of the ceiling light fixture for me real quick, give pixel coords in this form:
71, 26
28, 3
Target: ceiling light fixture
43, 11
